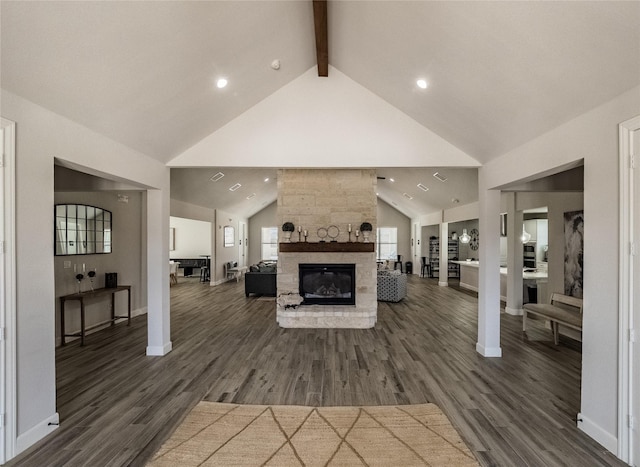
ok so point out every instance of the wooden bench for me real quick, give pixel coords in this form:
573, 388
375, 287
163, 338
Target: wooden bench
563, 310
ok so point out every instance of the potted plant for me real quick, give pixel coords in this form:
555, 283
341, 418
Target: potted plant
366, 229
287, 228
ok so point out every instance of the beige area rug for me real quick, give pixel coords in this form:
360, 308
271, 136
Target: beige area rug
216, 434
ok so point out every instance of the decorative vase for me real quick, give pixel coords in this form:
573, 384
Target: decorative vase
287, 237
366, 234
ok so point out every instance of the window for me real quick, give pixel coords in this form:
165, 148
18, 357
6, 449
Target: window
269, 243
387, 243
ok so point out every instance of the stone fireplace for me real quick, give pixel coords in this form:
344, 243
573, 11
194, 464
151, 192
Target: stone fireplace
314, 199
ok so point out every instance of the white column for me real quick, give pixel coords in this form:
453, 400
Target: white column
488, 343
158, 313
443, 275
514, 257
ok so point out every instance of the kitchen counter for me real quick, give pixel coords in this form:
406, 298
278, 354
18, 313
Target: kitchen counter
526, 274
469, 279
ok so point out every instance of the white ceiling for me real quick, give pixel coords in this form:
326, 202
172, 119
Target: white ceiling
143, 73
194, 185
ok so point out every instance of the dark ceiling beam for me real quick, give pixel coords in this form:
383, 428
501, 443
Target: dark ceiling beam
322, 42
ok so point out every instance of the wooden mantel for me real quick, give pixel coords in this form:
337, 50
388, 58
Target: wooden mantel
327, 247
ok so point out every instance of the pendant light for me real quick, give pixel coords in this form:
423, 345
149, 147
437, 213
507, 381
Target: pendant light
464, 238
526, 236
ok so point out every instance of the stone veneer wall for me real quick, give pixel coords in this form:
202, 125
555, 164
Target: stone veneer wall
314, 198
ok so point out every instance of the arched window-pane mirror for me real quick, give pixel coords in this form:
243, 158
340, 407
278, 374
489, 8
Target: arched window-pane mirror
81, 230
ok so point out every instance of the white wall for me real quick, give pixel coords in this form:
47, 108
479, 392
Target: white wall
192, 238
388, 216
593, 137
263, 218
461, 213
41, 136
125, 259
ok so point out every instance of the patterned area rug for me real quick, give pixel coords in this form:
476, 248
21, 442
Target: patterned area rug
216, 434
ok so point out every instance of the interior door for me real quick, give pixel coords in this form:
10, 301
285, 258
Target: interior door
635, 324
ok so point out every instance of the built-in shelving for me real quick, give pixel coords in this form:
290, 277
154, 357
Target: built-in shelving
453, 270
327, 247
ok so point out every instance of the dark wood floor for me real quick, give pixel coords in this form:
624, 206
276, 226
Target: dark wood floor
117, 405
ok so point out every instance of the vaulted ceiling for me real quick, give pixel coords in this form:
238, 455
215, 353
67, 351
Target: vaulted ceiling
144, 73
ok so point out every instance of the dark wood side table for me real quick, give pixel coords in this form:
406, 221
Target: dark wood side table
91, 294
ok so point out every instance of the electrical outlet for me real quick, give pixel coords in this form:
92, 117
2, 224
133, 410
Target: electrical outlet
67, 264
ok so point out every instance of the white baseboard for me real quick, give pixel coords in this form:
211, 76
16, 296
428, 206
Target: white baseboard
139, 311
35, 434
609, 441
159, 351
468, 287
513, 311
488, 351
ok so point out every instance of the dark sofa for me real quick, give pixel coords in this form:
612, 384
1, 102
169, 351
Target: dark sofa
261, 280
260, 283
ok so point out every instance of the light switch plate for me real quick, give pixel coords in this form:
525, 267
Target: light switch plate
67, 264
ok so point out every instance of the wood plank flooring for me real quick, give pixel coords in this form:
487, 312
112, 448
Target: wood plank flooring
117, 405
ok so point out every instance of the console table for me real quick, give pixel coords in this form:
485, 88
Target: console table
91, 294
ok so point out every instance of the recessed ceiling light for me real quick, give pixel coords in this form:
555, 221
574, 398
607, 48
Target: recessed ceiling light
442, 178
422, 84
455, 200
407, 195
391, 180
422, 187
221, 83
252, 195
217, 177
266, 179
235, 187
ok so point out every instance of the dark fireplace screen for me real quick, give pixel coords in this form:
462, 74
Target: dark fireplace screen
328, 284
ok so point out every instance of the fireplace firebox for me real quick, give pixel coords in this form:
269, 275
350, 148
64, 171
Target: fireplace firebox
328, 284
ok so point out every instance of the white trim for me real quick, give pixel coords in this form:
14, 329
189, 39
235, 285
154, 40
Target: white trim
464, 285
596, 432
488, 351
513, 311
8, 398
35, 434
159, 351
623, 446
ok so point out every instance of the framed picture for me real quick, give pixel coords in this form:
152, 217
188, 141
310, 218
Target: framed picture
573, 250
